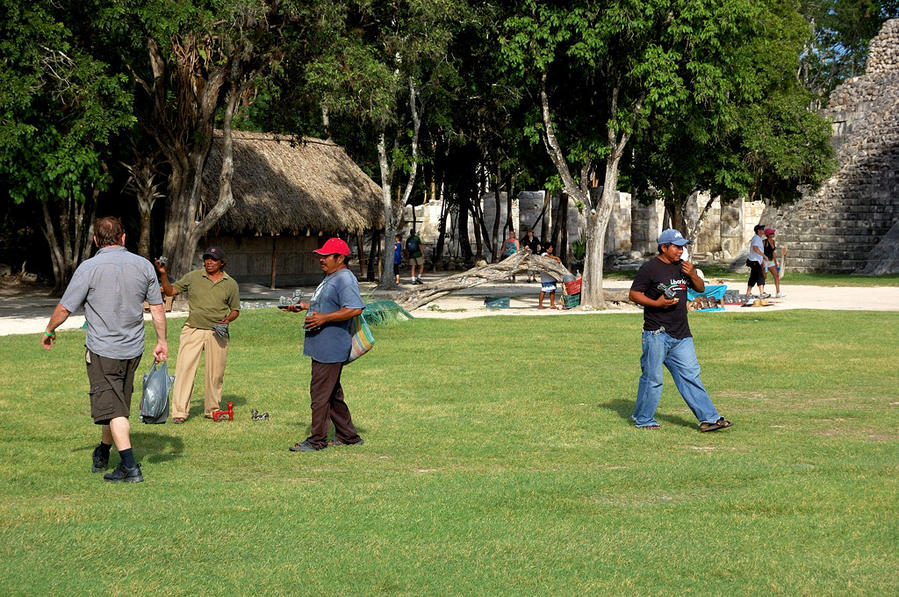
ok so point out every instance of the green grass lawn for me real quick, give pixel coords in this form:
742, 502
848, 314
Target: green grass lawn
499, 460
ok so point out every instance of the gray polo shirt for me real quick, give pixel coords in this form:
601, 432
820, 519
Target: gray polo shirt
112, 287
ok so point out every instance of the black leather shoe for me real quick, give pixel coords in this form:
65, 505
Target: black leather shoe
128, 475
101, 463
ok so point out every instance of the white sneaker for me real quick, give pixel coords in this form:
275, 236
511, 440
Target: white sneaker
780, 295
765, 295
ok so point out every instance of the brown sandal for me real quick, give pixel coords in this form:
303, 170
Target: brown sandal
719, 424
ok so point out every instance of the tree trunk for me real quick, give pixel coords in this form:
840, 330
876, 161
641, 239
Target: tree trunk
676, 216
143, 244
441, 231
141, 182
597, 222
388, 281
599, 212
462, 228
497, 243
373, 256
195, 230
70, 237
563, 230
510, 195
393, 214
478, 225
545, 224
360, 249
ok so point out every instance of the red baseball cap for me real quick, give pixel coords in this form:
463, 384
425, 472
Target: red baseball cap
769, 231
334, 246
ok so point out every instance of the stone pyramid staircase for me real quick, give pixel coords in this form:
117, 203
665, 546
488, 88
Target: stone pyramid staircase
836, 228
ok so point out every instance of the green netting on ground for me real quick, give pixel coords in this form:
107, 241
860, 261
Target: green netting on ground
382, 312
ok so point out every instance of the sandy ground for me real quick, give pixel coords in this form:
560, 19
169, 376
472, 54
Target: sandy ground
26, 309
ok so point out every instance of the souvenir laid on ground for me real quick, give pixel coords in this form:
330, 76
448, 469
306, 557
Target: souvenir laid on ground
712, 299
733, 297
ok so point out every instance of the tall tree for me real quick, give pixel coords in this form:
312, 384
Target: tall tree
387, 72
202, 60
605, 69
762, 143
59, 108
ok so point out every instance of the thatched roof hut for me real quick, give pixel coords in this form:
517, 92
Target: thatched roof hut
289, 195
282, 185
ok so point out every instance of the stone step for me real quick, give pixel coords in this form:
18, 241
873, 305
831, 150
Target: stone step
807, 253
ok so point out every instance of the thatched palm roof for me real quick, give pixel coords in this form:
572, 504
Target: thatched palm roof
282, 185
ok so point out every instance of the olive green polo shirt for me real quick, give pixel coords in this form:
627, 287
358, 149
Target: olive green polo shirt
208, 303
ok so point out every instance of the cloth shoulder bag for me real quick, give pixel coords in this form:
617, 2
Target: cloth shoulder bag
362, 339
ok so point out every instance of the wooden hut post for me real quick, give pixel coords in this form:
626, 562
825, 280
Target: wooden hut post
274, 260
361, 250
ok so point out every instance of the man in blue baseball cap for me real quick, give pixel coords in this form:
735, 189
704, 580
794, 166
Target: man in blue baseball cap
660, 286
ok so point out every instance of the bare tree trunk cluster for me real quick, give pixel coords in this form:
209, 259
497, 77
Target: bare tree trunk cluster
69, 233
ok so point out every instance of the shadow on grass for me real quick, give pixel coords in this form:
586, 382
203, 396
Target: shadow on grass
197, 409
625, 408
156, 447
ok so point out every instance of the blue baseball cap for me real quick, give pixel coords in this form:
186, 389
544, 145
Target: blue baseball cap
672, 237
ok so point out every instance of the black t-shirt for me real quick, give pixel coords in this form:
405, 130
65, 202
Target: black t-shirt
673, 319
531, 244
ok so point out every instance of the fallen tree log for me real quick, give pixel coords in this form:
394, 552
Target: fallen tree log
519, 263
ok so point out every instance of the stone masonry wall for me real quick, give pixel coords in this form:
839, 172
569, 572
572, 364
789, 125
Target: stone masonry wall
836, 228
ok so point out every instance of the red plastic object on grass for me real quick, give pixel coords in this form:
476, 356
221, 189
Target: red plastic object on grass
219, 415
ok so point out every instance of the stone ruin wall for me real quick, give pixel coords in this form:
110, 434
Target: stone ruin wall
836, 228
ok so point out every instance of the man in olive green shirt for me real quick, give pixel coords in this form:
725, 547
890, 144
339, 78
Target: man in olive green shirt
213, 301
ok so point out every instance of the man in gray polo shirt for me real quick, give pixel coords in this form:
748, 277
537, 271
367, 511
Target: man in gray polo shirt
112, 287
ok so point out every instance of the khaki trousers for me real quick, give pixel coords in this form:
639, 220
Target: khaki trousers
194, 342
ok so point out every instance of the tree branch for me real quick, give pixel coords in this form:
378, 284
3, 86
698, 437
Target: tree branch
556, 155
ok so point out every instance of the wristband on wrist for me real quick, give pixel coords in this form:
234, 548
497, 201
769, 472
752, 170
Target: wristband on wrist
49, 334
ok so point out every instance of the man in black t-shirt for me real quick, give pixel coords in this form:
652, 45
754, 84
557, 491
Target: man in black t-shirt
660, 286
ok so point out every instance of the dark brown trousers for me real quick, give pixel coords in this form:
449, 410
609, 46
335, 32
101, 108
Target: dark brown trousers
328, 405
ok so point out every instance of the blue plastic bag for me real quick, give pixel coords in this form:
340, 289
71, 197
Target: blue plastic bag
154, 403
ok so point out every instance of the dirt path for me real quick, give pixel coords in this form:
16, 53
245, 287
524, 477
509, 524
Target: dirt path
25, 309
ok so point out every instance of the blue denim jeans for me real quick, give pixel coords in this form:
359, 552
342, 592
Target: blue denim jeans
680, 357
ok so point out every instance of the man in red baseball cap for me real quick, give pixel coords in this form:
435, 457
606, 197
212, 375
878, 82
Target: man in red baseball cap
328, 313
334, 246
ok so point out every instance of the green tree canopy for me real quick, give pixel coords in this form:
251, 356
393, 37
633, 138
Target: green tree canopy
59, 108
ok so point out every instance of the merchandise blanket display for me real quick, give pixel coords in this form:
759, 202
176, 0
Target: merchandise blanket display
712, 299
